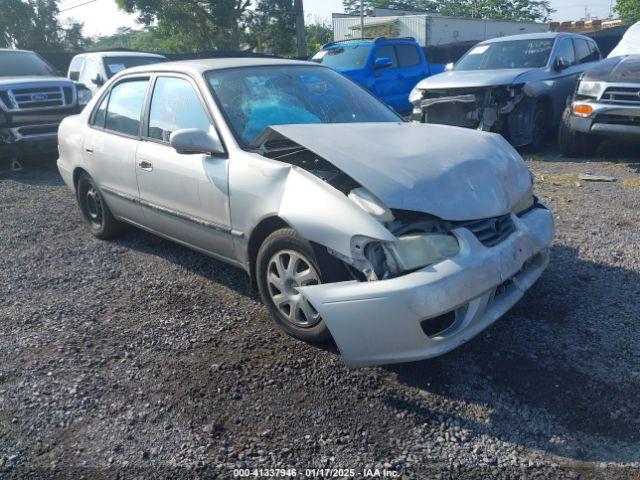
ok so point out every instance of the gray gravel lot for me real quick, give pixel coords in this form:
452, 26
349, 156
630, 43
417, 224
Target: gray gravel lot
138, 358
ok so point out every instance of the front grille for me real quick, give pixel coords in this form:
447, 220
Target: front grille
629, 95
38, 130
37, 97
490, 231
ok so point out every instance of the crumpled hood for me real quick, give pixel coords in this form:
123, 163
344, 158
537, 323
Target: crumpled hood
450, 172
10, 81
472, 78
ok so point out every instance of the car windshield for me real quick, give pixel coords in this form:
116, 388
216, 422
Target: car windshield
254, 98
18, 64
508, 54
114, 65
343, 56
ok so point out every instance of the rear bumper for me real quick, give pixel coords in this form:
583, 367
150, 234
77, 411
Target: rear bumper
607, 119
380, 322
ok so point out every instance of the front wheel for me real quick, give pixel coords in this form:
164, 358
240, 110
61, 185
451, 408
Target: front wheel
94, 210
286, 261
540, 129
572, 143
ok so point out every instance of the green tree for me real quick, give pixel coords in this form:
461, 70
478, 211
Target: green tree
195, 24
516, 10
34, 25
147, 39
353, 6
629, 10
318, 33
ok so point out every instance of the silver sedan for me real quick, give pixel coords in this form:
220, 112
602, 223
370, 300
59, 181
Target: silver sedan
401, 241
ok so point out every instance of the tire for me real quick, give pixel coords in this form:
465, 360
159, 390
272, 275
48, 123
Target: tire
277, 278
572, 143
95, 211
540, 128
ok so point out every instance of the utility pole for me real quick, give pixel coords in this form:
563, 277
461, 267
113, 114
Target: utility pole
301, 33
361, 18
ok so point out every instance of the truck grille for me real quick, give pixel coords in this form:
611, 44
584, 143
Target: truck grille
38, 97
490, 231
630, 95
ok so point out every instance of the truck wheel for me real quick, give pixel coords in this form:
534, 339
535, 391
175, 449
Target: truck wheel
572, 143
95, 211
285, 261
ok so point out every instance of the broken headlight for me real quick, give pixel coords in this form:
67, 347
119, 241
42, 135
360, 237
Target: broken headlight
525, 202
591, 89
415, 95
410, 252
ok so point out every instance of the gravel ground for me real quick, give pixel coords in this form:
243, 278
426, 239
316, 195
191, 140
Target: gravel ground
138, 358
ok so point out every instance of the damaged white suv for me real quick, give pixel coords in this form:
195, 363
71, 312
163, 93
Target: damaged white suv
399, 240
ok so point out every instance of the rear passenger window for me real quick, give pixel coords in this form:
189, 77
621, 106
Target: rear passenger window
125, 106
386, 51
583, 52
408, 55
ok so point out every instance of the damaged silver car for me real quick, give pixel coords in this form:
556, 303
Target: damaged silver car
401, 241
517, 86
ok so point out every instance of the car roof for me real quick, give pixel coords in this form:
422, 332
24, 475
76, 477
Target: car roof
122, 53
534, 36
200, 66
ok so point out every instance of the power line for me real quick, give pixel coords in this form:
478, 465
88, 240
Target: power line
76, 6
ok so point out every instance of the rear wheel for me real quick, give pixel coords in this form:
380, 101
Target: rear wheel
573, 143
95, 211
285, 262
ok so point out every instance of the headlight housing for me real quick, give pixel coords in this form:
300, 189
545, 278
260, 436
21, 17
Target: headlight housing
415, 95
419, 250
410, 252
525, 202
591, 89
84, 96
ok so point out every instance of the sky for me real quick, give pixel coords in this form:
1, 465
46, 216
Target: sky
102, 17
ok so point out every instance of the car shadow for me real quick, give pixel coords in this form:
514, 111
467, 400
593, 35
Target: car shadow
610, 151
553, 378
559, 372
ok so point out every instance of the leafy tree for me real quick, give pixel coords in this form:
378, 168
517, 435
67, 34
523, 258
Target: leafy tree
195, 24
517, 10
147, 40
629, 10
34, 25
353, 6
318, 33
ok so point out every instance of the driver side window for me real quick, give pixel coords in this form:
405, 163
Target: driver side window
175, 105
386, 51
566, 52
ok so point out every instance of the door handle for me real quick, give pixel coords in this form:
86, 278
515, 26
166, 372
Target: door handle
89, 150
145, 165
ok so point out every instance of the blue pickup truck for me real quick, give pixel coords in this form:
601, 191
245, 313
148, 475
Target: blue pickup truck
388, 67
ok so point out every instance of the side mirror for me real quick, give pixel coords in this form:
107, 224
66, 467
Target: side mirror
98, 80
193, 140
382, 62
560, 64
448, 67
